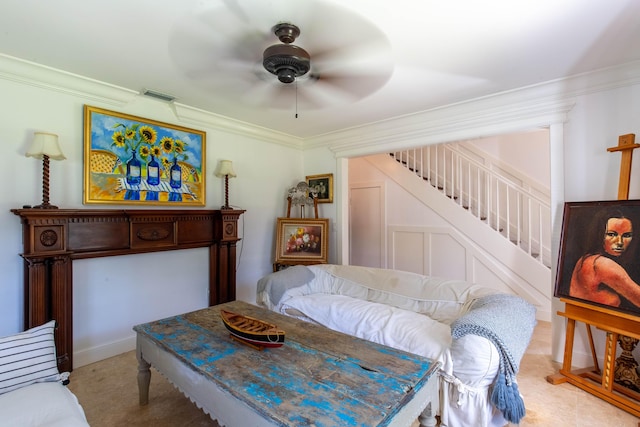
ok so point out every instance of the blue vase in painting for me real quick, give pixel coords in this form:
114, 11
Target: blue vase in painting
153, 172
133, 170
175, 178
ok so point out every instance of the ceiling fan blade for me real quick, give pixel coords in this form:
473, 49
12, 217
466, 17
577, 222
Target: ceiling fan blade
317, 97
237, 10
260, 94
281, 96
215, 41
357, 84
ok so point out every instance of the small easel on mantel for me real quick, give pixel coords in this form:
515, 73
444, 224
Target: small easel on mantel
617, 325
315, 207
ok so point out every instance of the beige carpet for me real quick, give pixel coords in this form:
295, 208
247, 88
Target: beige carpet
108, 392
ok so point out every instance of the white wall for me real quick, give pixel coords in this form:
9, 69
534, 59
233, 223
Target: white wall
113, 294
319, 161
402, 208
509, 150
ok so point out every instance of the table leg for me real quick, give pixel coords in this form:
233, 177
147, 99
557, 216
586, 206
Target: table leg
427, 417
144, 378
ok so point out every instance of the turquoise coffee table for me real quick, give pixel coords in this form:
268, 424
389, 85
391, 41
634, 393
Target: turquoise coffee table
319, 377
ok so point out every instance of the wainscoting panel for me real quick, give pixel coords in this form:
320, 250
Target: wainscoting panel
412, 250
447, 255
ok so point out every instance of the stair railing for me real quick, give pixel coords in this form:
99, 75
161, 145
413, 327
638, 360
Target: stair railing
514, 209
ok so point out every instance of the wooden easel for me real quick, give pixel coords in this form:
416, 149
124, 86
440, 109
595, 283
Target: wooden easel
618, 326
315, 207
626, 144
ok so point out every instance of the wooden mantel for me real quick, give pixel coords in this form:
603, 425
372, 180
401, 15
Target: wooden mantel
53, 238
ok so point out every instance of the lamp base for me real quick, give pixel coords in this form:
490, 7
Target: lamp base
226, 208
45, 206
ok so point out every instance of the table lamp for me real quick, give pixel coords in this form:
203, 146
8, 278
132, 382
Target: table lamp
225, 168
45, 146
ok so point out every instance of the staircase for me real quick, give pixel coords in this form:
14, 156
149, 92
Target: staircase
499, 198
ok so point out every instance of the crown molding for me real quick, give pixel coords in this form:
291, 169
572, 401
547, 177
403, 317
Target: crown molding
520, 109
205, 118
454, 123
30, 73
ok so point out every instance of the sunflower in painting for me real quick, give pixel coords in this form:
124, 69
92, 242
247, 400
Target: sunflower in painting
135, 138
173, 147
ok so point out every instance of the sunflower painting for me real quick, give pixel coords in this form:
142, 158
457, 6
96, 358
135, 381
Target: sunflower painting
131, 160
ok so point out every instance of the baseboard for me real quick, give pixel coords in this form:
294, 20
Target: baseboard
104, 351
581, 360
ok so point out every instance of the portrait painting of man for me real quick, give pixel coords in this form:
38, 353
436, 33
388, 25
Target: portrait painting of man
599, 254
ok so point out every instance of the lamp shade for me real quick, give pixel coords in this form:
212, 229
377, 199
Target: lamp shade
45, 144
225, 168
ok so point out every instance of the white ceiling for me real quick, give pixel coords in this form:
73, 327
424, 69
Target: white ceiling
400, 56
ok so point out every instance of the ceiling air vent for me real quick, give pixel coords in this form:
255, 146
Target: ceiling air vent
158, 95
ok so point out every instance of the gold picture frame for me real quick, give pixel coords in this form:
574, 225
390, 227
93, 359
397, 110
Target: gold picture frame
302, 240
323, 185
133, 160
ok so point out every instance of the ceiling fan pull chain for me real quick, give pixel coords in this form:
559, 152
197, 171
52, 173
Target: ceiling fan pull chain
296, 98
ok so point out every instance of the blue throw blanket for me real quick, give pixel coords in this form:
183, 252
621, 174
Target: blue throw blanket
508, 322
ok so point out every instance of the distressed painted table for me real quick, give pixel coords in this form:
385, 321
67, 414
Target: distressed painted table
317, 378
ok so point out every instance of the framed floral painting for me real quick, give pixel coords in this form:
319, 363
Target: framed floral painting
132, 160
302, 240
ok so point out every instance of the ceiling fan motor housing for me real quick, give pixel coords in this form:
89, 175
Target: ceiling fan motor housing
287, 61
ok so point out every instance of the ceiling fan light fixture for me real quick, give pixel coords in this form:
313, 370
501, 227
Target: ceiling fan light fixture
287, 75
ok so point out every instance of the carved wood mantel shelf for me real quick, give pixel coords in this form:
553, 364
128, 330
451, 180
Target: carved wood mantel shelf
53, 238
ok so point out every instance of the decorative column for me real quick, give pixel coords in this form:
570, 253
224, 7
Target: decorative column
222, 265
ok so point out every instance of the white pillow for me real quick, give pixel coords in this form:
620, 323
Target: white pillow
28, 357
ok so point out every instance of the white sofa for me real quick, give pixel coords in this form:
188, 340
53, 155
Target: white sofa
32, 392
477, 334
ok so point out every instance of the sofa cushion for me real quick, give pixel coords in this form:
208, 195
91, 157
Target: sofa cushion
439, 298
380, 323
41, 404
28, 357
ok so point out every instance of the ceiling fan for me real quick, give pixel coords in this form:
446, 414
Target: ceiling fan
230, 52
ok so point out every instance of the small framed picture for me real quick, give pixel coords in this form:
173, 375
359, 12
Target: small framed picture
599, 249
302, 240
323, 185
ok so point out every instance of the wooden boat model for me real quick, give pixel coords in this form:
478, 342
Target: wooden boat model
254, 332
